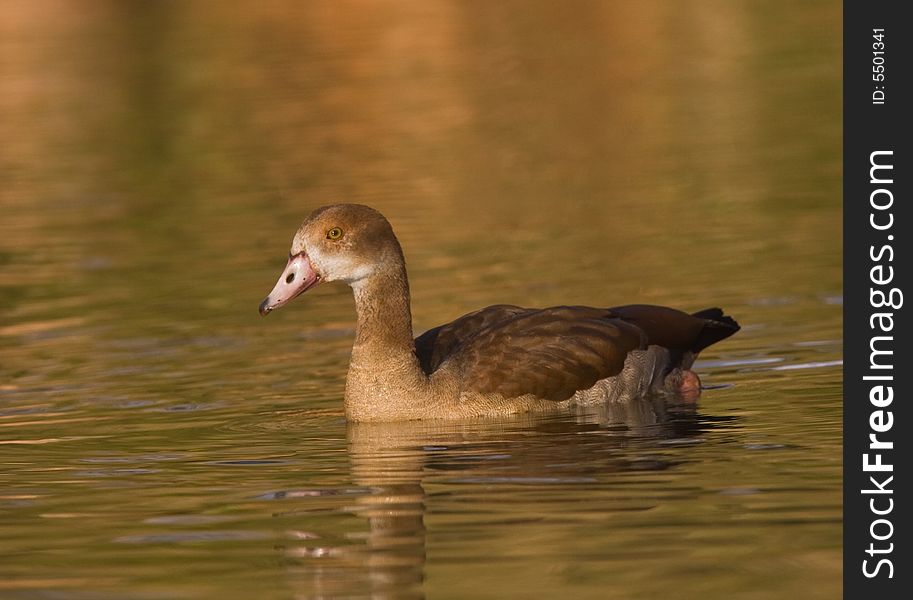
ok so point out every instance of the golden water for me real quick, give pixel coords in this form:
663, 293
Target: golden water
158, 439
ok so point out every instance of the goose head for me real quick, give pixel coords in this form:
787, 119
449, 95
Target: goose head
342, 242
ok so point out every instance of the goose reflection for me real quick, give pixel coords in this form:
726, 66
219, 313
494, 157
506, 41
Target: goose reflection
394, 463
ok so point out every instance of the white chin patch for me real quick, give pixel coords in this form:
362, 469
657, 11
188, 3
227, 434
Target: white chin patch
339, 268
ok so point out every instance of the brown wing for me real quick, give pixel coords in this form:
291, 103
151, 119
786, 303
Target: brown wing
551, 352
556, 351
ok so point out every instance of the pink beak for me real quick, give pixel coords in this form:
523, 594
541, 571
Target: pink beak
298, 277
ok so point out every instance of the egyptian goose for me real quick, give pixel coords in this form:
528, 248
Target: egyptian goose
494, 361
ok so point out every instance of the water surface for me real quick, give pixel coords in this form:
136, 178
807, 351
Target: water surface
159, 439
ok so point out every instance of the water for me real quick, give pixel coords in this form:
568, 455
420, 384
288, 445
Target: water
161, 440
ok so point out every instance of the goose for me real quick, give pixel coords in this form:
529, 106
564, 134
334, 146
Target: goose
499, 360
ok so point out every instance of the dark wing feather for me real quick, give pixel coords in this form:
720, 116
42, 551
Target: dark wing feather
678, 330
717, 327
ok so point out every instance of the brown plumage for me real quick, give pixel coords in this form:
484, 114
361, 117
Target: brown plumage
497, 360
554, 352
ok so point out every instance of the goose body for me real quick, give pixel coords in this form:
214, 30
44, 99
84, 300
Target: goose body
495, 361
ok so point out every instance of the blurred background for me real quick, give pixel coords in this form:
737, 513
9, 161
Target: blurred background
160, 439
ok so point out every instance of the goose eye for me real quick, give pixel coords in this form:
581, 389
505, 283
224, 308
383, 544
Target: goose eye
334, 234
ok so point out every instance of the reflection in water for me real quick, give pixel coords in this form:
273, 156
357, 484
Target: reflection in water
391, 461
